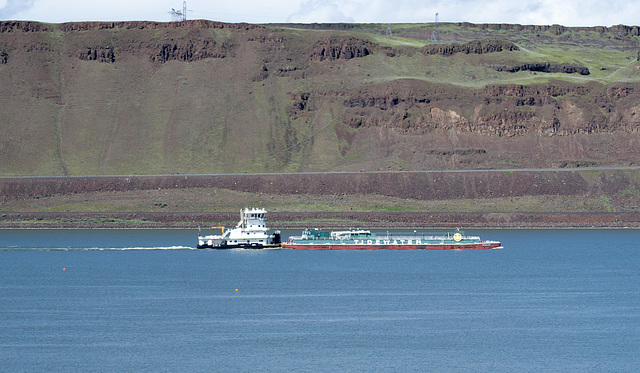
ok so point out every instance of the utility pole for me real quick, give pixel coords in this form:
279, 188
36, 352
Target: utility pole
435, 35
179, 15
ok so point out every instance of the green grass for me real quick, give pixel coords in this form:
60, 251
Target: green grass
328, 222
632, 191
87, 221
608, 61
394, 41
221, 200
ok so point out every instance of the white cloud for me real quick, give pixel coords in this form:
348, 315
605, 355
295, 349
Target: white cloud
57, 11
544, 12
115, 10
323, 11
540, 12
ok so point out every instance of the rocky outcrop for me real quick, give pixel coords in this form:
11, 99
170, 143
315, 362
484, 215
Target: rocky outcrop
385, 102
141, 25
100, 54
475, 47
190, 50
341, 48
618, 30
618, 92
185, 50
4, 57
262, 75
545, 67
539, 90
317, 26
29, 26
623, 30
300, 105
555, 109
24, 26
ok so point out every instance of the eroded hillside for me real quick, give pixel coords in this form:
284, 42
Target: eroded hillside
208, 97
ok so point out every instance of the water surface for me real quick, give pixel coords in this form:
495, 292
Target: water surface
144, 300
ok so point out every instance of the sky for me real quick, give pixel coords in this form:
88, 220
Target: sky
526, 12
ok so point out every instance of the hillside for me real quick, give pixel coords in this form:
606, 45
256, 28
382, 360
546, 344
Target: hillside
519, 198
208, 97
353, 105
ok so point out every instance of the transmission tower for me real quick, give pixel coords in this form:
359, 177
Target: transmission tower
435, 35
179, 15
389, 33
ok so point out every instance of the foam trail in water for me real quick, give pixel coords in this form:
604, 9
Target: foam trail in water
96, 248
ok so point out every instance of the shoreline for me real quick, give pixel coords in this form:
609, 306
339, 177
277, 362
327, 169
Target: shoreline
444, 200
327, 227
298, 220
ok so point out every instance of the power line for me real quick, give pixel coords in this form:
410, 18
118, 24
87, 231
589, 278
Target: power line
179, 15
435, 35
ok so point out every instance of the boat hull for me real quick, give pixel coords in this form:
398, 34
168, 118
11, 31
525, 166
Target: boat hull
239, 246
349, 246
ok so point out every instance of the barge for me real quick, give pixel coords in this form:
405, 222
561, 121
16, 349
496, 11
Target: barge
358, 239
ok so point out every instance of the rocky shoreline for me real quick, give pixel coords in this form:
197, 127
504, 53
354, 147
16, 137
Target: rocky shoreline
325, 219
619, 187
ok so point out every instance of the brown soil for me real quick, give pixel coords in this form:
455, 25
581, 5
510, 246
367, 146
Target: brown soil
416, 186
410, 185
324, 219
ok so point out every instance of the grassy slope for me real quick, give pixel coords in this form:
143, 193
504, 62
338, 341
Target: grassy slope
220, 200
136, 116
591, 48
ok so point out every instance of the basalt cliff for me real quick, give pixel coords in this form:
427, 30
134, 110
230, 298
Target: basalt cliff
209, 97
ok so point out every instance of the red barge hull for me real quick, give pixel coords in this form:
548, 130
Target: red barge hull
478, 246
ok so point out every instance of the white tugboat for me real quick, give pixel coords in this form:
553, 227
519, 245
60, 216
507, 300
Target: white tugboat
251, 232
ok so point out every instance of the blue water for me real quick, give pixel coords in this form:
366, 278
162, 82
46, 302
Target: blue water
101, 300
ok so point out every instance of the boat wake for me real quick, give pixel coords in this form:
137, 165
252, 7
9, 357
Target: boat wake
147, 248
96, 248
